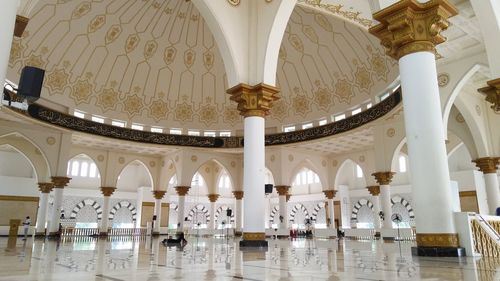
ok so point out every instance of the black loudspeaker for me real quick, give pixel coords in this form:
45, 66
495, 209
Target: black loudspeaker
154, 217
229, 212
268, 188
30, 83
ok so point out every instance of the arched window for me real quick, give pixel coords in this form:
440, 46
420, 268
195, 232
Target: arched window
359, 171
224, 181
84, 171
75, 168
402, 164
93, 170
305, 176
197, 180
173, 181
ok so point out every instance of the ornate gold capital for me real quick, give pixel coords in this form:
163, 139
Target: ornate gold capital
409, 26
330, 194
158, 194
20, 26
254, 100
107, 190
492, 93
282, 189
487, 165
383, 178
374, 190
254, 236
60, 182
45, 187
238, 194
182, 190
437, 240
213, 197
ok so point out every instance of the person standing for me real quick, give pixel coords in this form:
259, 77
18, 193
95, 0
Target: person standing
26, 225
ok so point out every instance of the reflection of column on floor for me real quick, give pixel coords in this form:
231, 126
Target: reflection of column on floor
178, 265
101, 257
36, 259
284, 263
49, 260
153, 266
210, 274
345, 206
237, 262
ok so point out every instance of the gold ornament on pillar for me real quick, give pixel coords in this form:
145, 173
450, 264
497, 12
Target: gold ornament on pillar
255, 236
60, 182
107, 190
45, 187
254, 100
282, 189
442, 240
238, 194
158, 194
492, 93
330, 194
374, 190
182, 190
383, 178
487, 165
213, 197
409, 26
20, 26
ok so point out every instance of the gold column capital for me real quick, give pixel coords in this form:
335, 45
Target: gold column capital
60, 182
238, 194
374, 190
492, 93
213, 197
182, 190
409, 26
45, 187
254, 100
254, 236
20, 25
107, 190
330, 194
282, 189
487, 165
158, 194
383, 178
438, 240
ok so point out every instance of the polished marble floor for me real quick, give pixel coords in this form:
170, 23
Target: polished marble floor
116, 259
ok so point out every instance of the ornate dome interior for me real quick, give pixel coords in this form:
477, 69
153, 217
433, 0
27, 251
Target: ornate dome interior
157, 64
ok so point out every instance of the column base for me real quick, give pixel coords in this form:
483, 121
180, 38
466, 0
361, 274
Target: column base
40, 234
53, 234
155, 233
438, 251
103, 234
254, 240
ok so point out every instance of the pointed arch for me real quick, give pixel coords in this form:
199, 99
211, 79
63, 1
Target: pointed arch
306, 164
198, 209
360, 204
123, 204
345, 165
76, 156
222, 211
87, 202
295, 210
148, 172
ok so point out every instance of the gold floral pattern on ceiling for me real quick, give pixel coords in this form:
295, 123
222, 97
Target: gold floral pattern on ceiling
156, 62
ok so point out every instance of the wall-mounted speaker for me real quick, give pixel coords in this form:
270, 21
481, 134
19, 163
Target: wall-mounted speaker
30, 83
268, 188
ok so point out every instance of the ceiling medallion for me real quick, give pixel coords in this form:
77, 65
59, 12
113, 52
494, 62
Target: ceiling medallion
234, 2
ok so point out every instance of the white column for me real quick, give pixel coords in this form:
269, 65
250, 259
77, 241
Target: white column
267, 211
345, 206
140, 198
211, 224
41, 220
238, 215
103, 228
283, 211
376, 211
8, 19
158, 195
331, 213
56, 210
426, 144
253, 174
492, 191
386, 206
181, 192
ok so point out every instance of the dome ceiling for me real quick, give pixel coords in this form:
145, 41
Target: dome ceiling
157, 63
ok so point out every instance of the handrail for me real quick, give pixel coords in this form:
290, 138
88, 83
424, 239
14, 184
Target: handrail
481, 219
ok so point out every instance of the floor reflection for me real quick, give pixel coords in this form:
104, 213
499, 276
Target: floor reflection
140, 258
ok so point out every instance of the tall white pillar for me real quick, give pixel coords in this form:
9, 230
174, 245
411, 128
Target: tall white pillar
158, 195
330, 194
8, 18
106, 192
345, 206
45, 188
375, 193
182, 191
254, 103
59, 184
283, 211
488, 166
238, 215
384, 179
212, 198
413, 44
140, 199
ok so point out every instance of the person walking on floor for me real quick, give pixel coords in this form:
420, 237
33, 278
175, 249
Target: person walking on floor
26, 225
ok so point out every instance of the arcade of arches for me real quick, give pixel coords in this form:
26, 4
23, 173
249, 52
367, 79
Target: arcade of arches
371, 119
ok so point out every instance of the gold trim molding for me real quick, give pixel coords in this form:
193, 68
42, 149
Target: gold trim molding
45, 187
254, 236
213, 197
19, 198
238, 194
158, 194
487, 165
492, 93
383, 178
182, 190
60, 182
107, 190
409, 26
374, 190
282, 189
330, 194
437, 240
254, 100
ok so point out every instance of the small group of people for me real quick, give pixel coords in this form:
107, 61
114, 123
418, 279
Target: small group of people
294, 233
180, 240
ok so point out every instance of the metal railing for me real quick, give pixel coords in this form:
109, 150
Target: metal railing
485, 238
